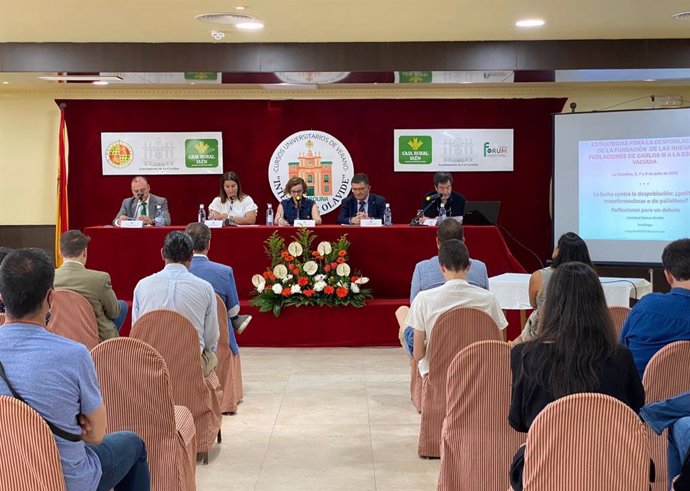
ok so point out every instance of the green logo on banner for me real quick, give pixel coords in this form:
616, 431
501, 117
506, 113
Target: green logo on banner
415, 77
201, 153
414, 149
200, 75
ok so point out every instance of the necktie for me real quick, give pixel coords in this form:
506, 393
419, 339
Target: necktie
361, 207
143, 208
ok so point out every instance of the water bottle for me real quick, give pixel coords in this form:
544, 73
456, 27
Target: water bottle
269, 215
202, 214
441, 214
158, 217
387, 216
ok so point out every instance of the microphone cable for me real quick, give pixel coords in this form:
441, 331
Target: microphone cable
505, 230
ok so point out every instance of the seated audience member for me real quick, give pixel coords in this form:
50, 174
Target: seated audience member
674, 414
658, 319
57, 378
175, 288
570, 247
362, 204
575, 351
428, 305
142, 205
453, 201
4, 251
220, 276
232, 204
297, 207
93, 285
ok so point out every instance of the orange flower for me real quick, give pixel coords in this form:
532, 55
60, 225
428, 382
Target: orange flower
289, 257
316, 254
340, 260
329, 290
308, 293
272, 276
303, 280
341, 292
327, 268
285, 292
284, 254
342, 253
266, 275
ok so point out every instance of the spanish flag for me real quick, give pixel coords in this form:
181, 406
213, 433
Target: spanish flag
62, 218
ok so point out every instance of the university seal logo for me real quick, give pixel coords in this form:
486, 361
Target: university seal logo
119, 154
321, 160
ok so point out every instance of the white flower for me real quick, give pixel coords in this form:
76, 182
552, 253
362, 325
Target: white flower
343, 270
319, 277
259, 282
363, 280
295, 289
354, 288
280, 271
260, 288
324, 248
295, 249
310, 267
287, 278
319, 286
277, 289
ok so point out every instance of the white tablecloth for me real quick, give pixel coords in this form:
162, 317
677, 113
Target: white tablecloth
511, 290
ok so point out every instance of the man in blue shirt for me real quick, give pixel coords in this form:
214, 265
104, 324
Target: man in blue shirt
659, 319
56, 377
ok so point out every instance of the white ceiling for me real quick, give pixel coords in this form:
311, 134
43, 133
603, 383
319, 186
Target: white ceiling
339, 20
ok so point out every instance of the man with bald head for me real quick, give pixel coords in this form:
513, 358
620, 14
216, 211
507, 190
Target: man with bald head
142, 205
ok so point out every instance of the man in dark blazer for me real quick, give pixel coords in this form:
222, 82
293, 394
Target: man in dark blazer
362, 203
142, 205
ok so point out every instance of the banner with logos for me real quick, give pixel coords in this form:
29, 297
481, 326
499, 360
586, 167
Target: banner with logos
453, 150
162, 153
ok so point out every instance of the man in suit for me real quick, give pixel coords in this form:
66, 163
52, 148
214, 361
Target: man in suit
93, 285
142, 205
362, 204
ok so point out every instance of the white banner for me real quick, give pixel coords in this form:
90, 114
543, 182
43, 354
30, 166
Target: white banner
453, 150
162, 153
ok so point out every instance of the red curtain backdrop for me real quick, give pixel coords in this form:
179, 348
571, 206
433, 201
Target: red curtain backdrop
253, 129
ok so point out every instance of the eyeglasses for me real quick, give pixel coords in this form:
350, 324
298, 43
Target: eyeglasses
296, 191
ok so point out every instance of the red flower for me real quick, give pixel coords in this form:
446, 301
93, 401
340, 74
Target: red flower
341, 292
272, 276
291, 266
342, 253
340, 260
327, 268
354, 278
285, 292
295, 271
334, 265
329, 290
308, 293
303, 280
289, 257
266, 275
284, 254
316, 254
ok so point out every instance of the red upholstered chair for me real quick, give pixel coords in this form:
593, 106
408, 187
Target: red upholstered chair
587, 442
71, 316
174, 337
618, 315
453, 331
138, 397
226, 363
29, 457
477, 443
667, 375
415, 385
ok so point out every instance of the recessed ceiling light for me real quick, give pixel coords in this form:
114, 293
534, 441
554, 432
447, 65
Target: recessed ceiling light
250, 26
681, 16
100, 82
5, 82
650, 80
530, 23
240, 7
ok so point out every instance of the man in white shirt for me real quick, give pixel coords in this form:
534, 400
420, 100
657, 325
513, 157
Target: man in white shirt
428, 305
142, 205
175, 288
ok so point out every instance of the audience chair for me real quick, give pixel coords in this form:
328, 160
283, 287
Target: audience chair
71, 316
2, 319
138, 397
30, 459
667, 375
618, 316
453, 331
587, 442
415, 385
174, 337
226, 363
477, 443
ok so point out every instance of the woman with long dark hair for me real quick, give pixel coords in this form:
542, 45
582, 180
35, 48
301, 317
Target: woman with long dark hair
575, 351
232, 204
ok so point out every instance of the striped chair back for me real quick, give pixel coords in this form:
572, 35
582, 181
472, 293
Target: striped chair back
226, 364
2, 319
453, 331
71, 316
618, 316
138, 397
30, 459
667, 375
587, 442
477, 443
415, 385
174, 337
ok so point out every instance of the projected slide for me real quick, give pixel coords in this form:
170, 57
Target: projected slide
634, 189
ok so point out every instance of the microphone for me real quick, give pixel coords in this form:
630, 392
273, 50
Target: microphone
298, 198
433, 196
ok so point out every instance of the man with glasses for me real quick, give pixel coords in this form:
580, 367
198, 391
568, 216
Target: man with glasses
362, 204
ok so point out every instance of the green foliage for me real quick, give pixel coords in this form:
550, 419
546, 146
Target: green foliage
273, 246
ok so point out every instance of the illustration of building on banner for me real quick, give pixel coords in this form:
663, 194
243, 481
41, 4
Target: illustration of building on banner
316, 173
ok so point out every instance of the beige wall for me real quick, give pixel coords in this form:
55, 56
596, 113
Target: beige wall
29, 121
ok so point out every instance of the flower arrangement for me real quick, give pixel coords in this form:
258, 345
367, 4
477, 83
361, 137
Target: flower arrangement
300, 276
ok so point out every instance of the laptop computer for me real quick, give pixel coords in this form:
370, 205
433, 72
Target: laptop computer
481, 212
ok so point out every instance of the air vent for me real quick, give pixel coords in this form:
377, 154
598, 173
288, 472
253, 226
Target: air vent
681, 16
220, 18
